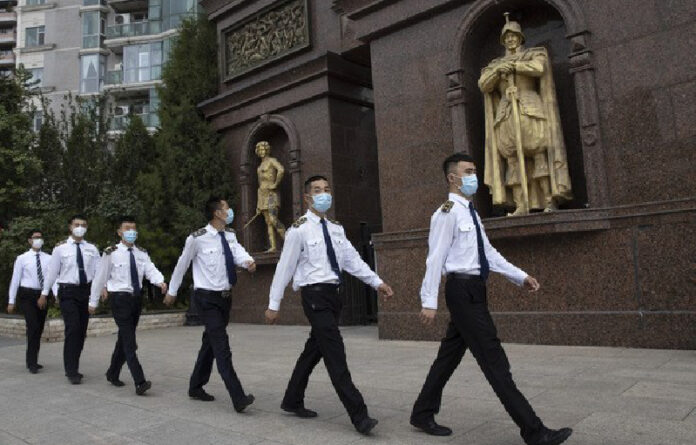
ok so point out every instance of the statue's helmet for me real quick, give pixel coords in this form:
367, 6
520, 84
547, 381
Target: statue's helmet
511, 26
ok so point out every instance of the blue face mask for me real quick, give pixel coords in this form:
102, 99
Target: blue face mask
322, 202
469, 185
130, 236
230, 216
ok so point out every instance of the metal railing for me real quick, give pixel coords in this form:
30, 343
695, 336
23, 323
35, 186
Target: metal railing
119, 123
132, 29
114, 77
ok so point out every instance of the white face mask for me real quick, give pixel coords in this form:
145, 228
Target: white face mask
79, 231
37, 243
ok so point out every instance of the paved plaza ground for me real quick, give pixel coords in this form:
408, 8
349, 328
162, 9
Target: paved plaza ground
610, 396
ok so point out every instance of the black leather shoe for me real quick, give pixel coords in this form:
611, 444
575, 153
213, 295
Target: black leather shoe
39, 366
366, 425
242, 404
75, 379
80, 375
550, 437
33, 369
431, 427
143, 387
200, 394
114, 381
300, 412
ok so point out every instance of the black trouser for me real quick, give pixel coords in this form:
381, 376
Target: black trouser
126, 311
35, 319
471, 326
74, 301
322, 306
214, 310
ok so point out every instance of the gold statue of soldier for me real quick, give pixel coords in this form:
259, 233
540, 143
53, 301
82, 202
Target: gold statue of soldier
270, 173
525, 157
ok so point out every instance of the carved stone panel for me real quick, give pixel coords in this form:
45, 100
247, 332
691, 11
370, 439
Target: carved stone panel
266, 36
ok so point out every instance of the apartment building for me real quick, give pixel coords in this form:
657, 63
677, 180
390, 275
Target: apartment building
8, 36
88, 47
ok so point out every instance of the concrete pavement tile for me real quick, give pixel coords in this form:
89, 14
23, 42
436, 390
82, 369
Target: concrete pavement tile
183, 432
643, 430
662, 390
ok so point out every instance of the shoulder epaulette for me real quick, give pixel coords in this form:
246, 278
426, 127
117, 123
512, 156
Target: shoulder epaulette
333, 221
199, 232
60, 243
142, 249
299, 222
229, 229
109, 250
447, 206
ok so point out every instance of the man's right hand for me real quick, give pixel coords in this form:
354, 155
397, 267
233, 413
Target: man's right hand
427, 316
10, 308
41, 302
169, 299
271, 316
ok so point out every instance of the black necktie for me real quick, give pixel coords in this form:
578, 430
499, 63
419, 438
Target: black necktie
479, 243
81, 266
330, 250
135, 282
229, 260
39, 272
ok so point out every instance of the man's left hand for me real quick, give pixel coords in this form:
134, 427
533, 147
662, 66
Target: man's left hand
163, 286
385, 291
251, 267
531, 283
92, 310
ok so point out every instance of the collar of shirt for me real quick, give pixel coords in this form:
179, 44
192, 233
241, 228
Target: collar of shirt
212, 230
311, 216
459, 199
123, 246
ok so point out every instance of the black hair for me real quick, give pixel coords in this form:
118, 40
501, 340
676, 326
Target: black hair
454, 159
77, 216
125, 219
211, 206
311, 179
31, 233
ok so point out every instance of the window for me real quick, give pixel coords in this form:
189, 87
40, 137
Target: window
142, 63
34, 36
36, 78
35, 2
37, 120
92, 73
92, 29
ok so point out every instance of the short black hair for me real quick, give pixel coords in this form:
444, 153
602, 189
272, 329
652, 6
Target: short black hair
454, 159
211, 206
31, 233
77, 216
311, 179
125, 219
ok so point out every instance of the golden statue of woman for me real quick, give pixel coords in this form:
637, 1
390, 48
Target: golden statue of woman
270, 173
525, 157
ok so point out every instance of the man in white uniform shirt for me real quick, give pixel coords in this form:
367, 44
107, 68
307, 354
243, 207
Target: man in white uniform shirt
73, 265
27, 282
122, 269
215, 254
315, 253
458, 248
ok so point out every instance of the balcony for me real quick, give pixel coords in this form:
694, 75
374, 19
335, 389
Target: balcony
7, 59
114, 77
124, 6
93, 2
8, 18
119, 123
132, 29
7, 38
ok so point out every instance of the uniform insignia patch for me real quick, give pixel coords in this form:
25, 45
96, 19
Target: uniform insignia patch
109, 250
229, 229
199, 232
334, 221
60, 243
447, 206
299, 222
142, 249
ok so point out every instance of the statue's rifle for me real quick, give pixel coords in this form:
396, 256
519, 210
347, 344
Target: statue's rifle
251, 220
511, 93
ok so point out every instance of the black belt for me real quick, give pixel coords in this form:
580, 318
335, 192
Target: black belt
463, 276
119, 294
213, 293
74, 286
28, 290
322, 287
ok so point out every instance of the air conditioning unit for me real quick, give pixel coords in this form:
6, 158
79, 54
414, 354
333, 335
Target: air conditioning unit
121, 110
122, 19
118, 66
